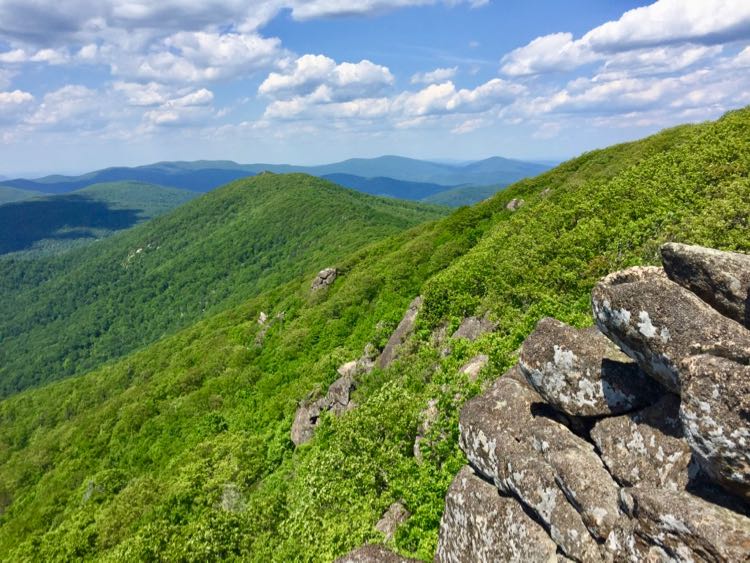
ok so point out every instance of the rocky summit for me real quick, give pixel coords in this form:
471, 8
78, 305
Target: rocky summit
625, 442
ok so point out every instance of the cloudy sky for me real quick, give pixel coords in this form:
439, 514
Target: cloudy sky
92, 83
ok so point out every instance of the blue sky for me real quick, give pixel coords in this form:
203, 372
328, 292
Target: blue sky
91, 83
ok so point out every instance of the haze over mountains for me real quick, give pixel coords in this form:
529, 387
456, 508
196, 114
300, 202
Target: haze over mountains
393, 176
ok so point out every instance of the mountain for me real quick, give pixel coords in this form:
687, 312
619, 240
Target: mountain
389, 187
66, 314
52, 224
462, 195
199, 177
203, 176
182, 450
9, 195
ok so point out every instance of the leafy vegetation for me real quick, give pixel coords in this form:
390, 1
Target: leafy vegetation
49, 225
67, 314
181, 451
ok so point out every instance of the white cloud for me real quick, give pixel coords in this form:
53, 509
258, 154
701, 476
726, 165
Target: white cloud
320, 76
202, 56
549, 53
71, 104
405, 108
310, 9
437, 75
664, 23
15, 98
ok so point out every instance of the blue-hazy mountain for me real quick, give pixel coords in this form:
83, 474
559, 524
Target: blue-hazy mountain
203, 176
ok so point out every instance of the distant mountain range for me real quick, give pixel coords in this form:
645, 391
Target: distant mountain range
395, 176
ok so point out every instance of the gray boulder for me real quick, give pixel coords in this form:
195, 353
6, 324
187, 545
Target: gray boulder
581, 373
472, 328
399, 336
480, 525
646, 447
721, 279
391, 520
337, 400
553, 472
514, 204
715, 414
427, 418
685, 527
658, 323
374, 554
324, 278
473, 367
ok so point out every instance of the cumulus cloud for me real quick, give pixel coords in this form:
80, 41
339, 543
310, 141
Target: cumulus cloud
433, 76
310, 9
664, 23
321, 76
406, 108
203, 56
69, 104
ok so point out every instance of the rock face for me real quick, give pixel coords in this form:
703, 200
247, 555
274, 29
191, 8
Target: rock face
337, 400
561, 470
646, 447
581, 373
472, 328
721, 279
514, 204
402, 332
391, 520
427, 418
508, 440
715, 413
687, 527
480, 525
324, 278
658, 323
374, 554
474, 366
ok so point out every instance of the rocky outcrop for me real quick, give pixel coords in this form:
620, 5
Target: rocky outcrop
399, 336
374, 554
473, 367
481, 525
508, 440
472, 328
659, 323
337, 400
324, 279
581, 373
427, 418
646, 447
572, 461
715, 414
686, 527
721, 279
514, 204
391, 520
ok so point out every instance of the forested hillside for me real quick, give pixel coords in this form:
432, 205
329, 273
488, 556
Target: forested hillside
67, 314
182, 450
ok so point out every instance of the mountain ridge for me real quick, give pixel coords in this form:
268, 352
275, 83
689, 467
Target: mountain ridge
206, 175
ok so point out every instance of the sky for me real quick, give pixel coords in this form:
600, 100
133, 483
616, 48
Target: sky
86, 84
